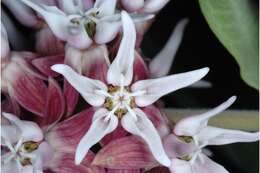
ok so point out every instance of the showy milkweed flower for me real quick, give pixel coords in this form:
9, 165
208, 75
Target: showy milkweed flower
79, 25
192, 134
120, 98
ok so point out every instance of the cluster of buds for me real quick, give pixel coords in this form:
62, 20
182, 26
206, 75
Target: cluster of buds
84, 100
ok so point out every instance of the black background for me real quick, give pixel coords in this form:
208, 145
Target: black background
201, 48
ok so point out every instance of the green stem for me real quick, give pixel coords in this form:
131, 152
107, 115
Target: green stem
231, 119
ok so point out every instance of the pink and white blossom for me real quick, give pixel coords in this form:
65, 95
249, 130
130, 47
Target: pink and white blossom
80, 26
120, 99
190, 135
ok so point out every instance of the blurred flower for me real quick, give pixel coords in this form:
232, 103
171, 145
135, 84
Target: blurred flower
147, 6
192, 134
50, 146
79, 25
118, 99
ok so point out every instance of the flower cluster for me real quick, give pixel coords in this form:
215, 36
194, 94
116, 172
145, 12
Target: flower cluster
84, 100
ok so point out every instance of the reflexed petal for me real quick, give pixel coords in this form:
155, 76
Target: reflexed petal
174, 147
85, 86
56, 19
9, 105
47, 43
62, 138
71, 97
106, 7
201, 84
44, 64
181, 166
45, 154
106, 31
158, 119
98, 129
194, 124
95, 62
144, 128
122, 65
218, 136
29, 130
205, 165
132, 5
119, 132
154, 89
159, 169
55, 104
5, 49
151, 6
125, 153
162, 62
22, 13
123, 171
141, 71
64, 163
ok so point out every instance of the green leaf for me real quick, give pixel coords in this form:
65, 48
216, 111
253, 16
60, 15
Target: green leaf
235, 23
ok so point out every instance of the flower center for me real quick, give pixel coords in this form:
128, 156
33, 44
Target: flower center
186, 139
21, 152
88, 20
120, 101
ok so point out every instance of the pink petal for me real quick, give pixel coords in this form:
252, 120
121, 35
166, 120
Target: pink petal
64, 136
64, 163
159, 170
218, 136
122, 66
22, 13
44, 64
29, 130
95, 63
47, 43
55, 104
162, 62
141, 71
152, 6
144, 128
194, 124
119, 132
158, 119
45, 152
71, 97
106, 31
125, 153
98, 129
123, 171
154, 89
24, 83
9, 105
132, 5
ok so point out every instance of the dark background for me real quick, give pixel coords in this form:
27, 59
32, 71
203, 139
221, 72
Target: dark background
201, 48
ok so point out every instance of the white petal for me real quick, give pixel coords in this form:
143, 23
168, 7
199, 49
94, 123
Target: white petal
29, 130
152, 6
181, 166
5, 49
156, 88
218, 136
106, 31
123, 63
85, 86
68, 6
10, 133
105, 7
10, 167
144, 128
201, 84
194, 124
132, 5
27, 169
203, 164
98, 129
161, 64
56, 19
